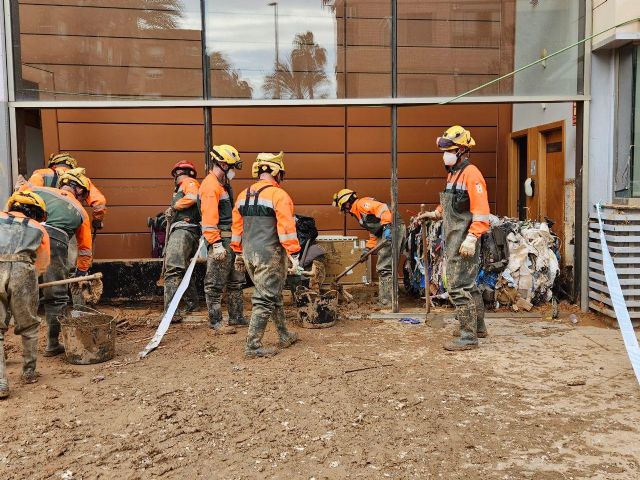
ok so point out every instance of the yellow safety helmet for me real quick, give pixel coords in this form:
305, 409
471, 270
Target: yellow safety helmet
226, 154
454, 138
29, 203
62, 158
343, 197
75, 178
268, 162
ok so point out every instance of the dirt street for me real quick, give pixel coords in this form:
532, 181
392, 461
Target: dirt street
364, 399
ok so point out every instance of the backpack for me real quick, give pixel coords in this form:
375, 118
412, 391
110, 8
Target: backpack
158, 225
306, 229
495, 249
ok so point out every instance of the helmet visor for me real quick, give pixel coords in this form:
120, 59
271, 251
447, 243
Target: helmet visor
443, 142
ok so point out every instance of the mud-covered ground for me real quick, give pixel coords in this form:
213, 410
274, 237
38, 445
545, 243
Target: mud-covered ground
540, 399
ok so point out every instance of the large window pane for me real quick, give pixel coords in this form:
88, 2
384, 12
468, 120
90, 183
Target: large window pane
299, 49
89, 49
447, 48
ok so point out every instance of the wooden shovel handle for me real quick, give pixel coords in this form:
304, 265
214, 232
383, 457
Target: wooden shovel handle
95, 276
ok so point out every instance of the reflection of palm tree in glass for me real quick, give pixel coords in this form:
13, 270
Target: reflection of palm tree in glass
302, 74
225, 81
160, 14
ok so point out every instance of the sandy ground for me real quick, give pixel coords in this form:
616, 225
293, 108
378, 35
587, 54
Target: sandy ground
365, 399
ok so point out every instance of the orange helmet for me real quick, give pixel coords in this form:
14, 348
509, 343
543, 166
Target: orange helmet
185, 165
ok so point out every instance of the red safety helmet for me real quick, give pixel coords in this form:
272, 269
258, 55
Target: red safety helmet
184, 165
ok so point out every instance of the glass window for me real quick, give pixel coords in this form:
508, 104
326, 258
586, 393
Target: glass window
626, 168
90, 49
301, 49
446, 48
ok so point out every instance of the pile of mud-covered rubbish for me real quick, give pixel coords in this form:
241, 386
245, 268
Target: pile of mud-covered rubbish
518, 268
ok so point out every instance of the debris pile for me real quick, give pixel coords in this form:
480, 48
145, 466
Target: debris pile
526, 279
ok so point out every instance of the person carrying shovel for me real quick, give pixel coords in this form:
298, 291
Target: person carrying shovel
24, 254
464, 208
376, 218
66, 218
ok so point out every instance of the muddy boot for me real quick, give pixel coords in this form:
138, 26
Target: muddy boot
29, 354
290, 339
264, 352
54, 347
235, 307
215, 322
170, 289
385, 287
468, 339
456, 333
4, 384
481, 327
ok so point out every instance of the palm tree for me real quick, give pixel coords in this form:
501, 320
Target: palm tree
302, 74
226, 81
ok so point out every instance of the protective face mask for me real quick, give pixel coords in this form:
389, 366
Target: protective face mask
231, 174
449, 158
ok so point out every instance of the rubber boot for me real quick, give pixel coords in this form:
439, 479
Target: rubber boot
385, 287
481, 327
54, 347
468, 339
4, 384
29, 354
215, 322
254, 347
235, 307
290, 339
170, 289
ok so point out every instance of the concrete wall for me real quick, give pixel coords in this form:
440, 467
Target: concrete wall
613, 12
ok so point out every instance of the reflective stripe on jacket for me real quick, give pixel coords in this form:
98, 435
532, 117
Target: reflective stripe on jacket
67, 214
48, 177
373, 216
264, 220
472, 182
22, 235
185, 202
216, 205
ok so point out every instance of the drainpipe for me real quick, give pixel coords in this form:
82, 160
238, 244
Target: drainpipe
586, 119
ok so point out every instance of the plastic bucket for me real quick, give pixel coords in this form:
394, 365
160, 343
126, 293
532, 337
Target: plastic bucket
316, 310
88, 336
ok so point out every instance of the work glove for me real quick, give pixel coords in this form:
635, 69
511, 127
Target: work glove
433, 215
295, 268
468, 247
365, 252
217, 251
97, 224
386, 233
80, 273
238, 264
169, 214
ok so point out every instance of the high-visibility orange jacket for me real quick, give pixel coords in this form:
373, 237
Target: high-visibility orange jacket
65, 214
24, 236
216, 205
373, 216
263, 218
48, 177
185, 204
472, 182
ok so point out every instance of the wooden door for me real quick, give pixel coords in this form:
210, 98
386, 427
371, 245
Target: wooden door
552, 192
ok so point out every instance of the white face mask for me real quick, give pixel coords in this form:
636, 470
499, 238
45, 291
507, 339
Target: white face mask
449, 158
231, 174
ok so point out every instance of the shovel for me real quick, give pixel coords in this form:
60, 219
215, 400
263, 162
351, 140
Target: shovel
362, 259
89, 286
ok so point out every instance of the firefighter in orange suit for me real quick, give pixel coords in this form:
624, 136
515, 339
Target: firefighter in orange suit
376, 218
216, 205
464, 208
66, 217
263, 235
24, 254
183, 220
48, 177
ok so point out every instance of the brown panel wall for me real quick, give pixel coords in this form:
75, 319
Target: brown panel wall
129, 153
